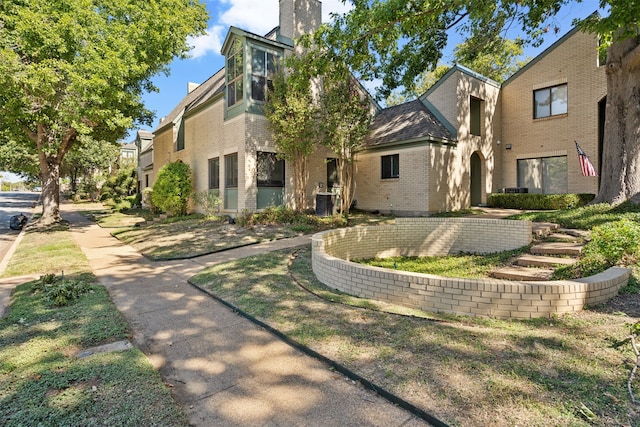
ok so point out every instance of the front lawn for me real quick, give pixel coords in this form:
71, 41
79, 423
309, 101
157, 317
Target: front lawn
43, 379
465, 371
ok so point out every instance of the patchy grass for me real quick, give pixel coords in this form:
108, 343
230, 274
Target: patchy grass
195, 235
465, 371
469, 266
46, 251
43, 382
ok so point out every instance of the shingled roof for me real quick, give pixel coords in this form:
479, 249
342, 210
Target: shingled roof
201, 94
408, 122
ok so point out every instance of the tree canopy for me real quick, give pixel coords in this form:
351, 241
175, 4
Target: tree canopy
79, 68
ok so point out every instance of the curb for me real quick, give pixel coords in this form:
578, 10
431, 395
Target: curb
396, 400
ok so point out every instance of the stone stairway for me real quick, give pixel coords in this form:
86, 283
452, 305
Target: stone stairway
556, 247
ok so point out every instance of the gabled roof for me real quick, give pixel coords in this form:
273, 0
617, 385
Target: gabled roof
405, 123
204, 92
235, 31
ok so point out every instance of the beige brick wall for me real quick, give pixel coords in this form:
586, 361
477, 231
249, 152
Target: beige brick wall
573, 62
332, 250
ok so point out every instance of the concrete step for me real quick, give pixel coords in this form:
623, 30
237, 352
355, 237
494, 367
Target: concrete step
563, 237
584, 234
557, 248
523, 273
543, 261
541, 229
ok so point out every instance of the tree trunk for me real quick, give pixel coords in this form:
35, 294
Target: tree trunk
301, 178
620, 177
50, 172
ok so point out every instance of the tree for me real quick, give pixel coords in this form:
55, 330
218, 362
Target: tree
173, 188
344, 114
289, 110
397, 40
87, 158
78, 68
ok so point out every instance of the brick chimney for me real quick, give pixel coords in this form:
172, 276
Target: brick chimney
298, 17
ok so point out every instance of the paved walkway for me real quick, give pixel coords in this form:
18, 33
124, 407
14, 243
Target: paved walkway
223, 369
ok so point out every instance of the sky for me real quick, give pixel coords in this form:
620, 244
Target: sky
261, 16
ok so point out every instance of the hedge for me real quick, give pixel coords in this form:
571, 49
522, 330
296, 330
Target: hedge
532, 201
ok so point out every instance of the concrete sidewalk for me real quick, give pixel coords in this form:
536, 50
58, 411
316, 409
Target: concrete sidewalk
222, 368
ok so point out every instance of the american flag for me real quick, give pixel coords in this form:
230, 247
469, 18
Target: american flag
585, 163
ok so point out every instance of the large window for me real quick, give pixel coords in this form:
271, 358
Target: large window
391, 166
270, 170
235, 73
231, 170
475, 116
547, 175
214, 173
263, 66
550, 101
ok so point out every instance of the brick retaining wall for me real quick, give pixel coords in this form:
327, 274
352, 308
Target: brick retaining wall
332, 251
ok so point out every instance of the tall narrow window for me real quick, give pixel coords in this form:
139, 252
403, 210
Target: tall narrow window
475, 116
214, 173
263, 66
391, 166
235, 73
231, 170
550, 101
332, 173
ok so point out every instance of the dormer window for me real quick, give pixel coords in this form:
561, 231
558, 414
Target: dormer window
263, 66
235, 73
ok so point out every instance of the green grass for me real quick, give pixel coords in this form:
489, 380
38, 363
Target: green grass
465, 371
43, 382
586, 217
460, 265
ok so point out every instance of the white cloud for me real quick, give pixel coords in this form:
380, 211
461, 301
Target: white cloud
258, 17
211, 42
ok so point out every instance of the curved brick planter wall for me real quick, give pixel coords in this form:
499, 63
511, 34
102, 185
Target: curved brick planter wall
333, 249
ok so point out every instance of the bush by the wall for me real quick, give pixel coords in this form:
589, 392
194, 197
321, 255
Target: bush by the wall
531, 201
172, 189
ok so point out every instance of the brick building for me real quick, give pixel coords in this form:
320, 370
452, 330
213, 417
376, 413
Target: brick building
465, 138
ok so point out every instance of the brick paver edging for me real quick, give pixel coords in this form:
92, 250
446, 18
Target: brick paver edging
332, 251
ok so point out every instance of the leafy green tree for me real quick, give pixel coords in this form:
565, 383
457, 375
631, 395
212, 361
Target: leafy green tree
290, 112
87, 158
79, 68
173, 188
344, 114
397, 40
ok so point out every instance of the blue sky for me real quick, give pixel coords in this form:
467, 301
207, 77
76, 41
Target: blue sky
260, 16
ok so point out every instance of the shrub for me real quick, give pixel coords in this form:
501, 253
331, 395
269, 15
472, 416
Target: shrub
59, 291
172, 189
209, 201
538, 201
616, 241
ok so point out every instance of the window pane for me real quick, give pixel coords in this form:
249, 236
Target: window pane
554, 175
542, 100
239, 65
270, 170
231, 94
475, 114
332, 173
257, 62
271, 63
391, 166
231, 170
559, 100
530, 175
214, 173
257, 88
